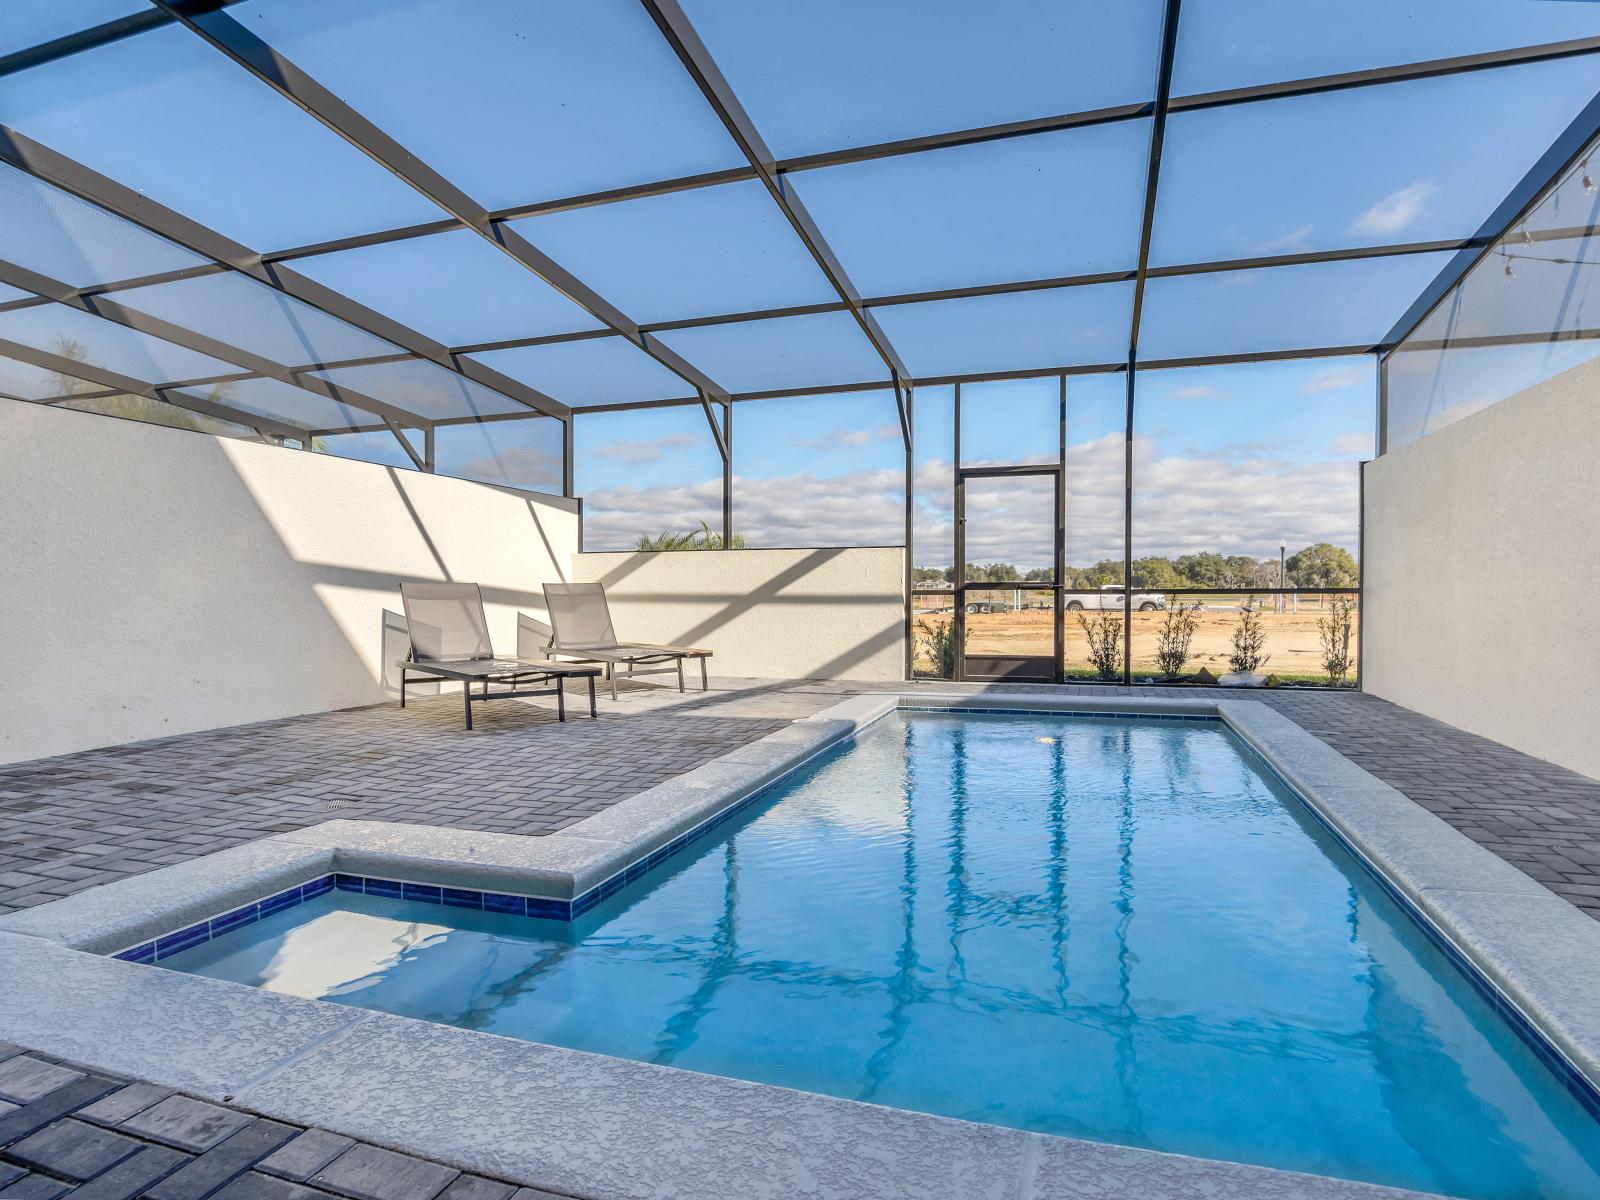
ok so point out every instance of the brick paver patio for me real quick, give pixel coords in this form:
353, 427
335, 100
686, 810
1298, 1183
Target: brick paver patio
72, 822
69, 1130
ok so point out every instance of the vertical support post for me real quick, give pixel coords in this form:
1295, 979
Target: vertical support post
1127, 530
1361, 574
727, 476
958, 575
904, 398
1059, 595
567, 486
430, 460
1382, 438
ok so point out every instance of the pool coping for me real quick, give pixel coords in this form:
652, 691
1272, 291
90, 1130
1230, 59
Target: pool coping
614, 1127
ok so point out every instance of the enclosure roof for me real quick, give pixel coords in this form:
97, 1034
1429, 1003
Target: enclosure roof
312, 217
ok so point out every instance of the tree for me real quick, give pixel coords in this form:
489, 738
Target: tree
1322, 566
1038, 575
993, 573
1157, 573
1106, 571
922, 574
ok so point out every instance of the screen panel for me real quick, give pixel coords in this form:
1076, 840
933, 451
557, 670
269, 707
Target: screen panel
454, 287
243, 160
785, 352
525, 454
815, 77
1238, 468
1036, 207
55, 233
241, 312
515, 97
819, 471
1058, 327
1239, 43
606, 370
77, 335
649, 479
424, 388
702, 252
1370, 166
1351, 303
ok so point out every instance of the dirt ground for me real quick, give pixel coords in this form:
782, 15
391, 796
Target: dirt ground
1293, 644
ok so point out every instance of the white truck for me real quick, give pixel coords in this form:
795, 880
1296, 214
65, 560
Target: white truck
1110, 597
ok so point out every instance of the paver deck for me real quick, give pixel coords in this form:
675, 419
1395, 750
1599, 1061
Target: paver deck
79, 820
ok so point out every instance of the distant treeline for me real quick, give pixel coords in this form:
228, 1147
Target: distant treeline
1322, 565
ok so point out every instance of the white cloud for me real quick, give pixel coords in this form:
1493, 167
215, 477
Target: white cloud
1238, 499
1333, 379
1200, 391
1352, 444
1293, 241
1394, 212
834, 439
634, 453
518, 466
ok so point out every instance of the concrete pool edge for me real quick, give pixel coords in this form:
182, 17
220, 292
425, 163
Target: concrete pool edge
401, 1083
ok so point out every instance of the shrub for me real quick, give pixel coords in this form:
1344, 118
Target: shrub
1249, 640
704, 538
1336, 630
938, 642
1105, 643
1172, 642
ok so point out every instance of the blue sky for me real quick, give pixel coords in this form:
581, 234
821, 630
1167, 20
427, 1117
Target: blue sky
1226, 458
527, 102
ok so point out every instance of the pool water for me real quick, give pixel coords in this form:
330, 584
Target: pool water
1103, 928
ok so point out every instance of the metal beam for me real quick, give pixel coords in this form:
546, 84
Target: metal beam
257, 57
1554, 163
130, 318
119, 384
696, 59
1152, 183
405, 444
716, 431
91, 38
39, 160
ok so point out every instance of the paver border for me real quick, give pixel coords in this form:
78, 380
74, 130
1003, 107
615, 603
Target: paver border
303, 1060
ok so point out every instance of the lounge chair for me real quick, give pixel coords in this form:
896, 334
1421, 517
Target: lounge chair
581, 631
450, 640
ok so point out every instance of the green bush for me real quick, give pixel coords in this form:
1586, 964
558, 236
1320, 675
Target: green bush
1172, 642
1249, 640
1105, 643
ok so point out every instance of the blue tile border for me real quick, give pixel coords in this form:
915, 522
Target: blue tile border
542, 907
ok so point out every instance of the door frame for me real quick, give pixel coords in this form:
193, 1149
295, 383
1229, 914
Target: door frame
1057, 475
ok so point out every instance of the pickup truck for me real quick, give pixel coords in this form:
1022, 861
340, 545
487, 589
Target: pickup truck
1110, 597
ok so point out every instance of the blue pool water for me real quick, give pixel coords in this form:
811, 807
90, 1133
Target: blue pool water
1098, 927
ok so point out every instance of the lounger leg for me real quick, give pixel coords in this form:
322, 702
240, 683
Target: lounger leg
705, 685
561, 698
594, 713
466, 695
611, 674
402, 687
680, 674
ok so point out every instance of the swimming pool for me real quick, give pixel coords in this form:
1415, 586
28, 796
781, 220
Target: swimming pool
1110, 928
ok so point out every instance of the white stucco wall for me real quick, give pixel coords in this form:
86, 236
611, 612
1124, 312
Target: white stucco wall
156, 581
795, 614
1482, 572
